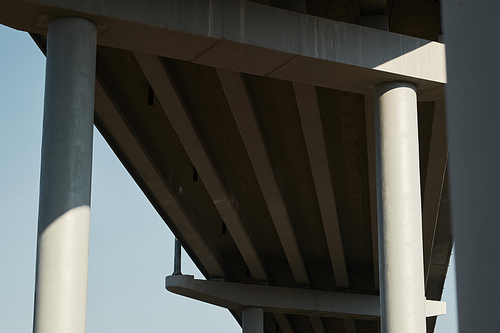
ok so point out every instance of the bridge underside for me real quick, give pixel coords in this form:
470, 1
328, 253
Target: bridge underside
259, 151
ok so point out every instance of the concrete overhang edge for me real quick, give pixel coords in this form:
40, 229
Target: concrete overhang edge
251, 38
284, 300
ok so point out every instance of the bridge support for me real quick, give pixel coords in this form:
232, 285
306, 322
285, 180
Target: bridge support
64, 209
303, 302
402, 298
253, 320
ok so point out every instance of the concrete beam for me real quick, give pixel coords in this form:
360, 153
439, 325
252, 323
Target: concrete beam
372, 181
317, 324
283, 322
312, 126
434, 182
251, 38
167, 192
284, 300
244, 115
175, 109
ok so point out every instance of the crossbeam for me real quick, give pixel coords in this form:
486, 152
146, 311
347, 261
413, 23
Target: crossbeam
284, 300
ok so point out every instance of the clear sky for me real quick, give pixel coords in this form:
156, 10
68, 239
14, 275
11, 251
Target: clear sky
131, 249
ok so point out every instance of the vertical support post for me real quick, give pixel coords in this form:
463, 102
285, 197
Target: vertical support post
177, 258
472, 52
253, 320
65, 179
402, 298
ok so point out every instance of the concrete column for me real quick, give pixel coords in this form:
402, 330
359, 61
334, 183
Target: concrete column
402, 298
253, 320
64, 209
473, 117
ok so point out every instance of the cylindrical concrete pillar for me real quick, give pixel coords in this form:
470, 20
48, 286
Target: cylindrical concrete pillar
65, 179
253, 320
402, 298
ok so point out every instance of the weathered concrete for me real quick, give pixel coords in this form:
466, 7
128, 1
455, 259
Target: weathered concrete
402, 297
285, 300
64, 211
253, 38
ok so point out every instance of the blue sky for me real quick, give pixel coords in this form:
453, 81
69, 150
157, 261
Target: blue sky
131, 249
